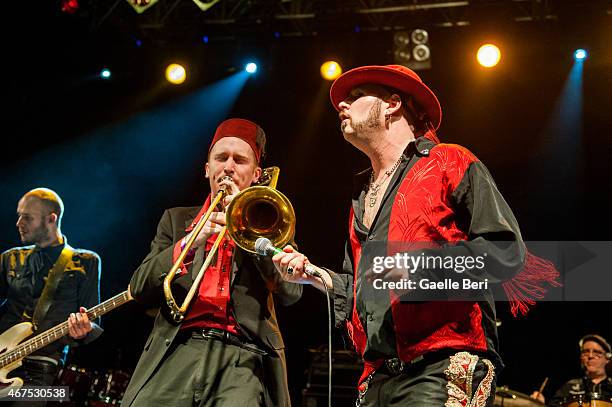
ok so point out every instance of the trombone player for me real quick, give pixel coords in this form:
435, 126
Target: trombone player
226, 350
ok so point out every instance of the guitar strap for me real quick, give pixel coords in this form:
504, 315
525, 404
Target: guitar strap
53, 279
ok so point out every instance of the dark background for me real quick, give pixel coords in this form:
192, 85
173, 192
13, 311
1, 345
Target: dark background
118, 152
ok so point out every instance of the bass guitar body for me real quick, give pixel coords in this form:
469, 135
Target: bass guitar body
8, 341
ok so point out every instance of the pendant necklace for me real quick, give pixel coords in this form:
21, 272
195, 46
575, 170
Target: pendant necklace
373, 194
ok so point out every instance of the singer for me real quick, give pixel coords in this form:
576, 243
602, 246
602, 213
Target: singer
228, 350
425, 353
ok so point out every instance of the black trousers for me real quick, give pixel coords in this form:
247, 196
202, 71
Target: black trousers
205, 372
34, 373
459, 380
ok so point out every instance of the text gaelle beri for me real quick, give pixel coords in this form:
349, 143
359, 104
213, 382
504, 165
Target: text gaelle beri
411, 263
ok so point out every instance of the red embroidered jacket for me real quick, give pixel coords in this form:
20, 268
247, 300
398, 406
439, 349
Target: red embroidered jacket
439, 194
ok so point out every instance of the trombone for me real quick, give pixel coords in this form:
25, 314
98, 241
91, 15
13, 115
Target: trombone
258, 211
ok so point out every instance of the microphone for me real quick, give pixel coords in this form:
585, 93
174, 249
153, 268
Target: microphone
264, 247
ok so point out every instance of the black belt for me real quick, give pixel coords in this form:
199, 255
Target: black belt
396, 366
226, 337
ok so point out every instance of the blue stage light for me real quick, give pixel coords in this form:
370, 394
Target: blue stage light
205, 39
580, 54
251, 67
105, 73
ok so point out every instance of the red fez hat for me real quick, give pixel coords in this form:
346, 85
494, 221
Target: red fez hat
245, 130
393, 76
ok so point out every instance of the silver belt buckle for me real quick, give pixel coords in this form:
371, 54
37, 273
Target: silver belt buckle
208, 334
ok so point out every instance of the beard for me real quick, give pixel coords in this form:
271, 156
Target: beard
372, 121
37, 235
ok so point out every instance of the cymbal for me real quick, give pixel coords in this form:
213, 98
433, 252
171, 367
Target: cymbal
512, 398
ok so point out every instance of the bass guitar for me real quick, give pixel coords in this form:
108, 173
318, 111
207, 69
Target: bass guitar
12, 350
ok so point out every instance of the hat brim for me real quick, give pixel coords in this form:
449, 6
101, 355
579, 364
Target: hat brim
382, 75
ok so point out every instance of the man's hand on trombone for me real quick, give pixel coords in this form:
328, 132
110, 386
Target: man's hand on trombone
216, 222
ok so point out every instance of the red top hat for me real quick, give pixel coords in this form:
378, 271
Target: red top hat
394, 76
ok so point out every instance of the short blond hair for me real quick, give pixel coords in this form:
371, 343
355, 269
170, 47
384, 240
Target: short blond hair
50, 199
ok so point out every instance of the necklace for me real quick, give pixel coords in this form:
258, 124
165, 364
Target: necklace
374, 188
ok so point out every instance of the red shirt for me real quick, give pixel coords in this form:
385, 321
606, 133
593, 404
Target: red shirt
211, 307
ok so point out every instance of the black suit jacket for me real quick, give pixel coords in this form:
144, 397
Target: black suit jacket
253, 284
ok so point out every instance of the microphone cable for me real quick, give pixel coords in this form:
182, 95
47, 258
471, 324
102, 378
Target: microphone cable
329, 344
264, 247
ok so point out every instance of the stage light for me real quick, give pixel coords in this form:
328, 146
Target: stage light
69, 6
419, 36
421, 53
251, 67
330, 70
411, 49
401, 39
105, 73
488, 55
140, 6
205, 39
176, 74
402, 57
580, 54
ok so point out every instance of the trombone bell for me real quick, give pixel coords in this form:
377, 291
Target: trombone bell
260, 211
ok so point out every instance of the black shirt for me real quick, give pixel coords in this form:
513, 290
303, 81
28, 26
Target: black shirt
22, 278
582, 389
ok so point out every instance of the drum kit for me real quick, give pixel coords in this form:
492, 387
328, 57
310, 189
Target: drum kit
93, 388
504, 397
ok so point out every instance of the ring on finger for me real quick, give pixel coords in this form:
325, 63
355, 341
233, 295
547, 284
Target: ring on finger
290, 270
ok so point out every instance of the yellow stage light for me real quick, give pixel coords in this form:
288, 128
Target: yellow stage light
330, 70
488, 55
176, 74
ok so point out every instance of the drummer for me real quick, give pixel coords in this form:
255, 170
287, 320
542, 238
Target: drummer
595, 353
